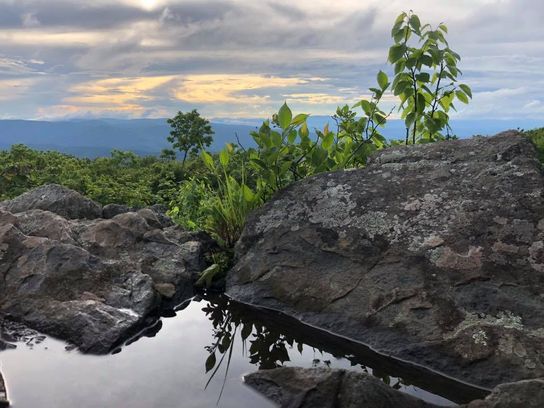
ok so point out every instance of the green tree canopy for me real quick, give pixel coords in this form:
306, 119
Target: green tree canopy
190, 133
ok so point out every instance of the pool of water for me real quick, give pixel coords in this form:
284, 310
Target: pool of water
194, 358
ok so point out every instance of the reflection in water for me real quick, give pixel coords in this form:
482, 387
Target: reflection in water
267, 346
211, 341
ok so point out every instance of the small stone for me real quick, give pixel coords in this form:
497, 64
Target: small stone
165, 289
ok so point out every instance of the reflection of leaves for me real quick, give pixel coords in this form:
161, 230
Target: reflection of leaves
266, 346
246, 330
210, 362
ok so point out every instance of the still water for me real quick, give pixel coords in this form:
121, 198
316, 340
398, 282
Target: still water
205, 341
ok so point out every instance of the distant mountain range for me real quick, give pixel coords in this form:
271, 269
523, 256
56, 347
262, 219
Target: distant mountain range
97, 137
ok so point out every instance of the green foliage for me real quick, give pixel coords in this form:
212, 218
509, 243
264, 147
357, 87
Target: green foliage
537, 137
190, 133
425, 80
218, 202
287, 152
123, 178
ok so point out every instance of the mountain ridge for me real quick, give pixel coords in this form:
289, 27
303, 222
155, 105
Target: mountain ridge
97, 137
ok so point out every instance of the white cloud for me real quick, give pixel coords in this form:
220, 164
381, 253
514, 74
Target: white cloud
29, 20
223, 53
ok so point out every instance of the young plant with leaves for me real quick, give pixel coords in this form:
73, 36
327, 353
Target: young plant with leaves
230, 202
357, 138
426, 75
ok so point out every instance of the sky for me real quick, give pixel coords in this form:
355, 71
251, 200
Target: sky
233, 59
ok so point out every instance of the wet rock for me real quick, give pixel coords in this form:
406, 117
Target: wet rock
294, 387
521, 394
433, 254
92, 282
57, 199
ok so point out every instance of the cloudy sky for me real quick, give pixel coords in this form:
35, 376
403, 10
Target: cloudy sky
243, 58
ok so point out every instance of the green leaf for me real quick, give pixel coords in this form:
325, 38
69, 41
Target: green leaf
207, 275
423, 77
366, 106
299, 119
400, 18
462, 96
328, 140
400, 34
304, 132
443, 27
415, 23
396, 52
466, 89
275, 138
224, 157
426, 60
207, 159
399, 66
259, 163
421, 103
410, 119
383, 81
249, 196
292, 136
284, 116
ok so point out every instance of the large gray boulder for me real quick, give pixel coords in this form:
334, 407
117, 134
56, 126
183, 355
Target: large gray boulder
295, 387
93, 282
433, 254
57, 199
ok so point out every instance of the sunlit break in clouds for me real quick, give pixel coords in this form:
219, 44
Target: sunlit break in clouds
241, 59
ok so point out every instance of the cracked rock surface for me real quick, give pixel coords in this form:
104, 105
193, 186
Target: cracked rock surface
433, 254
70, 273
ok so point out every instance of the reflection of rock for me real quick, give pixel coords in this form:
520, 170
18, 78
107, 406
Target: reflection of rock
3, 394
433, 254
294, 387
88, 280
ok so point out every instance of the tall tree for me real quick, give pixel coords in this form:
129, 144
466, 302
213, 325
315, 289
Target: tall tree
190, 133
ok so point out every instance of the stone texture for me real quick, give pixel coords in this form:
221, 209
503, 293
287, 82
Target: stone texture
433, 254
522, 394
294, 387
91, 282
111, 210
57, 199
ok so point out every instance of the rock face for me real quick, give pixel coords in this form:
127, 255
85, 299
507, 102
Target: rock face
91, 281
294, 387
521, 394
433, 254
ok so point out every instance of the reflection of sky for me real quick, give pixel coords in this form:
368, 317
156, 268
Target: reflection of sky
166, 371
236, 58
